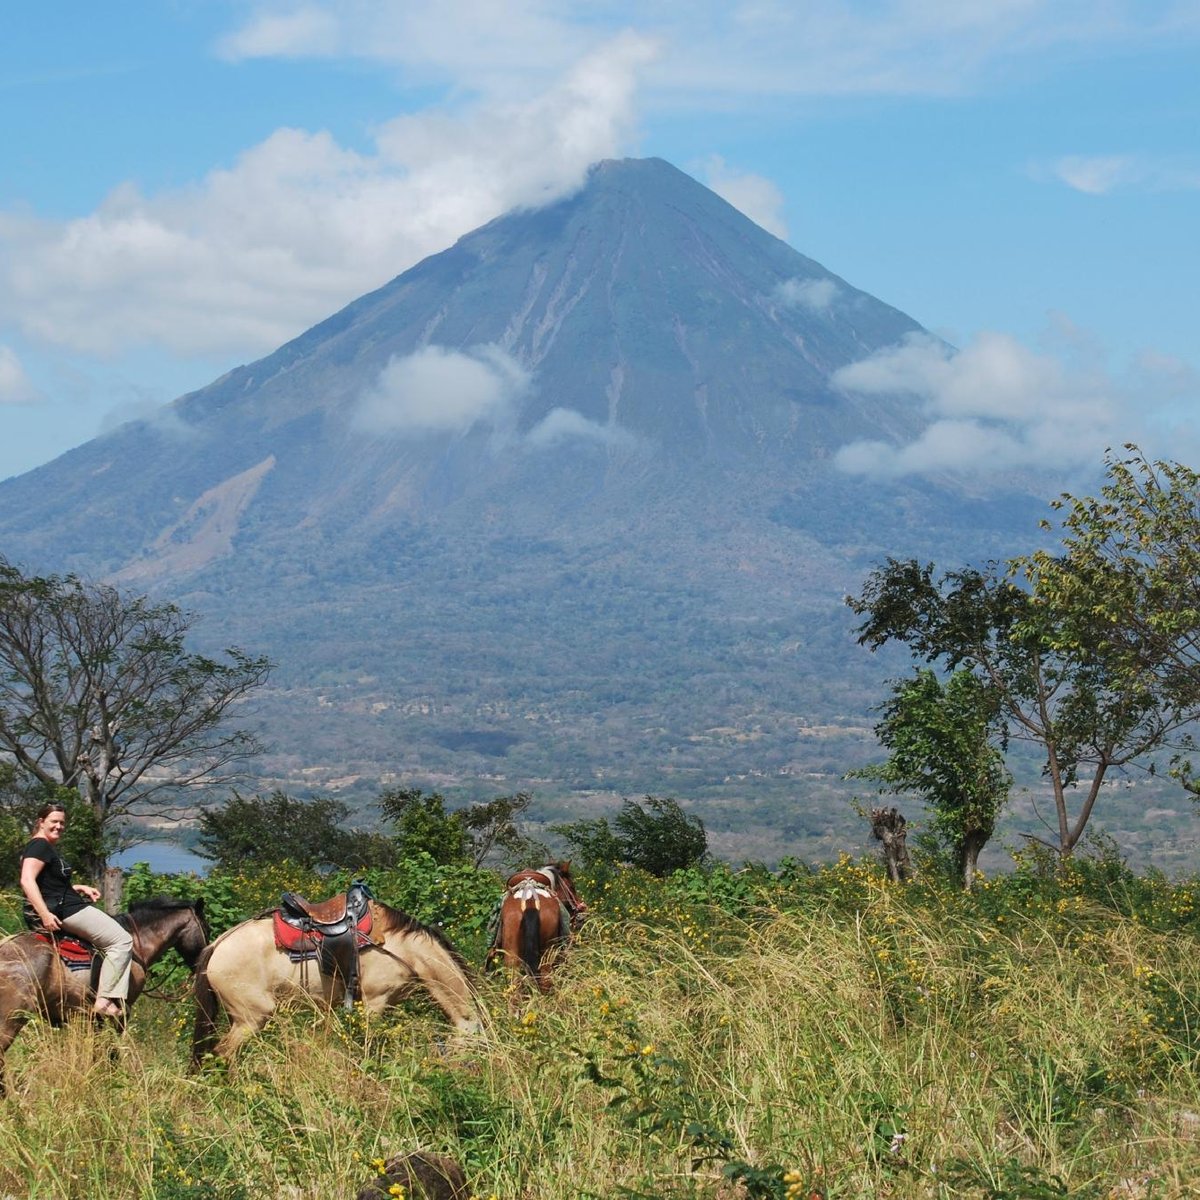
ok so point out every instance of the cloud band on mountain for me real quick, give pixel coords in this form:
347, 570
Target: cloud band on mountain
998, 406
436, 390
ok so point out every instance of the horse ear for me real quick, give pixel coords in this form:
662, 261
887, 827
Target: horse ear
199, 906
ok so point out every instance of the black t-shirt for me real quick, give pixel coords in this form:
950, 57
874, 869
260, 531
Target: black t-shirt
54, 882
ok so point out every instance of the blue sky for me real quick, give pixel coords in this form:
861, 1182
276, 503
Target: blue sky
186, 184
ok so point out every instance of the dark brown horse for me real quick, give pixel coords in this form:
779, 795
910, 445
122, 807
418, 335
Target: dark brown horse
33, 979
539, 912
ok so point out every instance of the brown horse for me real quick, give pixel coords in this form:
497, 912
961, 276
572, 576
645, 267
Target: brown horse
539, 912
244, 973
33, 979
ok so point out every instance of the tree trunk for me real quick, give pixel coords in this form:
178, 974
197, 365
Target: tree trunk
112, 889
968, 856
889, 827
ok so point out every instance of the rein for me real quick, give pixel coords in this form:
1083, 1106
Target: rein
158, 994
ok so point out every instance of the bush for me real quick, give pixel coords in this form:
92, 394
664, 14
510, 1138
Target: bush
279, 828
659, 839
423, 826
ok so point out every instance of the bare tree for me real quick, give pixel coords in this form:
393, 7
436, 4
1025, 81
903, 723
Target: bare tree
99, 694
889, 827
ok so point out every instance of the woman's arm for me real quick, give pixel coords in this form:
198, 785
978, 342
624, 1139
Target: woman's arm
88, 893
31, 868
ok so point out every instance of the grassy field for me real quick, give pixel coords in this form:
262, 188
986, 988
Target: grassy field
793, 1034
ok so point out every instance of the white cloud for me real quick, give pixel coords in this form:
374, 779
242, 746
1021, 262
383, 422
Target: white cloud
1094, 174
299, 225
493, 46
751, 194
437, 390
997, 406
305, 30
816, 295
15, 386
716, 50
1099, 174
565, 424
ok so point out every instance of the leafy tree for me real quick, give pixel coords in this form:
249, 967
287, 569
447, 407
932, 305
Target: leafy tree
659, 838
592, 845
473, 834
257, 830
1092, 651
492, 831
1132, 568
99, 695
424, 826
946, 745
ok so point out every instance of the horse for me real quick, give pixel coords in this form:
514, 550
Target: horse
34, 980
244, 973
539, 912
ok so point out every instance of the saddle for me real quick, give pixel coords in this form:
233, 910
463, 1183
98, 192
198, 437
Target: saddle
74, 953
331, 931
548, 881
541, 884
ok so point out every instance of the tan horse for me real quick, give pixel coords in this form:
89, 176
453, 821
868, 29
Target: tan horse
34, 981
244, 973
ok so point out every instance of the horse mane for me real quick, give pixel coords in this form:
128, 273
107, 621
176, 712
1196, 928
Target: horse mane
393, 920
142, 910
161, 904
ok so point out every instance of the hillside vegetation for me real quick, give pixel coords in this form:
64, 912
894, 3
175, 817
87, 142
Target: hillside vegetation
798, 1033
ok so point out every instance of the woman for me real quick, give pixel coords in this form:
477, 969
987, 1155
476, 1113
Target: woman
54, 902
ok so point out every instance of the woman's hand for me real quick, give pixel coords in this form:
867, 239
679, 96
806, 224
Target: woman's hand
88, 893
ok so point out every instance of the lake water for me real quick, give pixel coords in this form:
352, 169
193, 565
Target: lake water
164, 858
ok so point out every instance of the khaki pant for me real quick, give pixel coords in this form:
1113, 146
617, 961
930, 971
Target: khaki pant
113, 941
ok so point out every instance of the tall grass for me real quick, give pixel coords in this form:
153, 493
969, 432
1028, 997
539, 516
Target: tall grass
715, 1036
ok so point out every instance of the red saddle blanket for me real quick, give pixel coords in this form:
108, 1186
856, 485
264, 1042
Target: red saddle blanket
74, 953
301, 941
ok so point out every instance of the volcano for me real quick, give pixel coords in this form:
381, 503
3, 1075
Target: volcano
554, 510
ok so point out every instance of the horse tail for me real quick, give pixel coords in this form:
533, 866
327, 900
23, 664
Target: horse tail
530, 939
208, 1005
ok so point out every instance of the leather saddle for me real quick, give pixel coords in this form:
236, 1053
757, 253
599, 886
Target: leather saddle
331, 931
75, 953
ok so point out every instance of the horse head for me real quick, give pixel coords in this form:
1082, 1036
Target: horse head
166, 923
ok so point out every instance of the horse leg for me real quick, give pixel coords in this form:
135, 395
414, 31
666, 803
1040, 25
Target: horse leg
240, 1030
248, 1015
551, 947
10, 1026
30, 983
